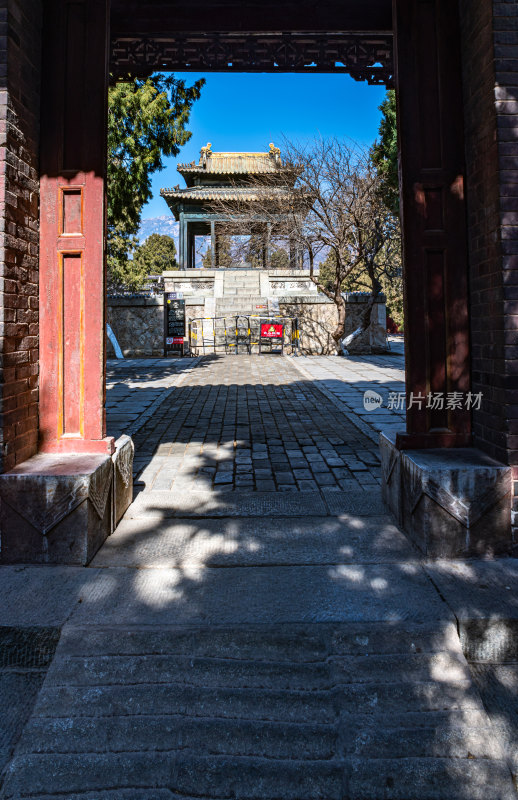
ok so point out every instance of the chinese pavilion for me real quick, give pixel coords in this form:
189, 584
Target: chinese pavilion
224, 182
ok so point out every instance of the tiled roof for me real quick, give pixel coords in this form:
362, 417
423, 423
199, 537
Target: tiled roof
245, 194
234, 164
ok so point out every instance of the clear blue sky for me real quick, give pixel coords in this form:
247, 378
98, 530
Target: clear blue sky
247, 111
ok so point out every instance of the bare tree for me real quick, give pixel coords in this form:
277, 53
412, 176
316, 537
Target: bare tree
327, 200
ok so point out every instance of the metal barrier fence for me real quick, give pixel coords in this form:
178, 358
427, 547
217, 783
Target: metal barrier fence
244, 334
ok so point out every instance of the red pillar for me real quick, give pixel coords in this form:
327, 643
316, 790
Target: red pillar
72, 238
435, 251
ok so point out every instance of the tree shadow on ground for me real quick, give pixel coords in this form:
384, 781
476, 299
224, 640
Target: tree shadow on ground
261, 644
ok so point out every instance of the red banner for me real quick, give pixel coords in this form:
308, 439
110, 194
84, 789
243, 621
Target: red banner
271, 331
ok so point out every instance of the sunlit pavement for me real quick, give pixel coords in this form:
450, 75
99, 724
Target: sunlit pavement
258, 627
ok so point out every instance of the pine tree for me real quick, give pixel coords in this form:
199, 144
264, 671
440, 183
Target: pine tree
384, 153
156, 254
147, 121
279, 258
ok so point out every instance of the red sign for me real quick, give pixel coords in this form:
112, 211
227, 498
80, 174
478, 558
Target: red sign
174, 340
271, 331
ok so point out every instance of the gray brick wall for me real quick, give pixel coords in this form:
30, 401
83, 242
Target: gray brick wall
505, 34
20, 40
490, 59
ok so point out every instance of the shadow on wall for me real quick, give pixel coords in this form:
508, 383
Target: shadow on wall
318, 319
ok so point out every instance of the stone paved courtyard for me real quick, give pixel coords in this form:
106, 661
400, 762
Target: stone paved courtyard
244, 422
136, 387
257, 628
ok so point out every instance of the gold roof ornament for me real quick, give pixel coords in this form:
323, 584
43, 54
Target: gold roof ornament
275, 152
205, 152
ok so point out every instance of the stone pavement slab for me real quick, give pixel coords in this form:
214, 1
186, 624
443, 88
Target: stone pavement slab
483, 596
163, 504
245, 542
40, 595
367, 592
478, 589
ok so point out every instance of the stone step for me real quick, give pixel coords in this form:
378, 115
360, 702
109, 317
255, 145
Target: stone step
172, 733
245, 281
292, 712
460, 735
243, 286
241, 310
430, 779
187, 701
256, 504
188, 774
231, 302
284, 643
241, 290
220, 542
245, 294
219, 673
429, 734
149, 793
181, 773
229, 673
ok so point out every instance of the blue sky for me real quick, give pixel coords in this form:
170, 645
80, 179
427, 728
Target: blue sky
247, 111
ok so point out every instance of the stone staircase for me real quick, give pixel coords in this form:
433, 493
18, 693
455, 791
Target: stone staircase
296, 712
241, 293
240, 304
241, 282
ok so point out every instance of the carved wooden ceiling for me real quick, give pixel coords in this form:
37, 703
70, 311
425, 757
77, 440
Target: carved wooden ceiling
367, 57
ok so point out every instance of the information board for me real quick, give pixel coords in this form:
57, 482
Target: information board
174, 319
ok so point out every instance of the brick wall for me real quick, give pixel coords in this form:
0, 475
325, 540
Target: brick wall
505, 34
490, 60
20, 37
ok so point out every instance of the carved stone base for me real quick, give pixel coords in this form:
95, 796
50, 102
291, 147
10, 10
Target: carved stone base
391, 475
122, 477
56, 509
451, 503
